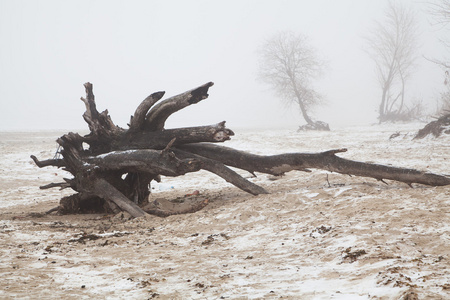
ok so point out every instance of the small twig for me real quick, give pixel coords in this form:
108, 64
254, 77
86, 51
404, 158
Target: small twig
48, 162
169, 145
382, 180
61, 185
57, 153
52, 210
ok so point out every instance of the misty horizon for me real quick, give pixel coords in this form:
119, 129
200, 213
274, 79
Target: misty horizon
130, 50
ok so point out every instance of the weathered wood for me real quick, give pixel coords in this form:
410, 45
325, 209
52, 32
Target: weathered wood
164, 208
48, 162
143, 139
108, 192
99, 123
435, 128
280, 164
71, 151
218, 168
145, 161
138, 119
159, 139
157, 116
61, 185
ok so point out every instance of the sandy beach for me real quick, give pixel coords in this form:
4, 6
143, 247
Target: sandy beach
317, 235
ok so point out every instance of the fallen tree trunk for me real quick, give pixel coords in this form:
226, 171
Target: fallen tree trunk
115, 171
282, 163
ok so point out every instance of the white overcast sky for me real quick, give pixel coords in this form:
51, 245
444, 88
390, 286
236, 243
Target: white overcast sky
130, 49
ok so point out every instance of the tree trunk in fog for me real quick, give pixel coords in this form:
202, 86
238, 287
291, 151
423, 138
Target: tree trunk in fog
303, 109
381, 112
392, 45
115, 172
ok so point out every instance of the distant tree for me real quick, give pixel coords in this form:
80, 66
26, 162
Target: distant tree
440, 11
392, 45
289, 64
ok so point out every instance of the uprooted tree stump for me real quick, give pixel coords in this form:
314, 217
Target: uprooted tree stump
435, 128
112, 167
314, 125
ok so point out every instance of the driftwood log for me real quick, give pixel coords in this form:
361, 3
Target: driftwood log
435, 128
112, 167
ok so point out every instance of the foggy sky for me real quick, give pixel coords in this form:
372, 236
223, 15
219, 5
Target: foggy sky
130, 49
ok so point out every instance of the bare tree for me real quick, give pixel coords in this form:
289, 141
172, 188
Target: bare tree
440, 12
289, 64
392, 44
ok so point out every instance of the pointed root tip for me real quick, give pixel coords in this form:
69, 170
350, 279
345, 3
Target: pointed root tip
36, 161
158, 95
334, 151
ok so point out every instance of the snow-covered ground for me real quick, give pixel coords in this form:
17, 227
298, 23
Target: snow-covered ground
317, 235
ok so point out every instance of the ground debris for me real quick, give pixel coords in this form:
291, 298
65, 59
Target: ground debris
208, 240
394, 276
191, 203
36, 215
351, 256
319, 231
92, 236
410, 295
213, 237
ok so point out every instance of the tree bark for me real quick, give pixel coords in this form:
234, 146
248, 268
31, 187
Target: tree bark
160, 139
138, 119
142, 161
108, 192
280, 164
157, 117
218, 168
